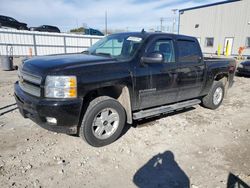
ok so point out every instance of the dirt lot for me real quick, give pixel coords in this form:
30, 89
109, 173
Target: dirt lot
195, 148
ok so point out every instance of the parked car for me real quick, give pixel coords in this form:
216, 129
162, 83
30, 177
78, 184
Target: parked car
91, 31
46, 28
121, 78
243, 68
12, 23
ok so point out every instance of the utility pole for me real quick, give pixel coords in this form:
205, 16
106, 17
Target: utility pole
174, 20
161, 20
106, 23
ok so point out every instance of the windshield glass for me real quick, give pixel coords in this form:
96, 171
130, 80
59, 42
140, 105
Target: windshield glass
119, 46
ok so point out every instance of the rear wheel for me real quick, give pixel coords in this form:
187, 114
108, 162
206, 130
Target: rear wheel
22, 28
215, 97
103, 121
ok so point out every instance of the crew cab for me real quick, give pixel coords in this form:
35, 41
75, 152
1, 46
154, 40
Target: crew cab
121, 78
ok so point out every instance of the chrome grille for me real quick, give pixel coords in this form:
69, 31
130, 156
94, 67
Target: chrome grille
29, 77
30, 83
33, 90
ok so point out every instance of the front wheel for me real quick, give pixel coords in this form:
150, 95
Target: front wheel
103, 121
215, 96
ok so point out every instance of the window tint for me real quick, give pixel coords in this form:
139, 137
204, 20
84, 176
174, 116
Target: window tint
248, 42
165, 47
209, 42
11, 19
188, 51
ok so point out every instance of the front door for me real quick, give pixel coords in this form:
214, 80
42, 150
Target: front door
228, 45
156, 82
191, 69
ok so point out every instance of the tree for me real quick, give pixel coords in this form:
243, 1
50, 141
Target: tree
78, 30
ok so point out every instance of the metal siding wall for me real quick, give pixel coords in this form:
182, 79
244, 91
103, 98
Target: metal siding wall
44, 44
221, 21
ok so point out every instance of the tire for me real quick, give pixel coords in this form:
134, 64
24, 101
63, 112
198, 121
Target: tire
102, 122
210, 100
22, 28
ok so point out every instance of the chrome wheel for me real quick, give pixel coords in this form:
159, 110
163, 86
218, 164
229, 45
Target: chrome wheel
218, 94
105, 123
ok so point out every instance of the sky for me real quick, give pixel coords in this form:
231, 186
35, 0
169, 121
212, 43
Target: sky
131, 15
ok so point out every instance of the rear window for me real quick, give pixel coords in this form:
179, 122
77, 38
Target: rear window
188, 51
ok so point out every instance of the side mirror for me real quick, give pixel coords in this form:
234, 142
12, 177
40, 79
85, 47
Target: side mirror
153, 58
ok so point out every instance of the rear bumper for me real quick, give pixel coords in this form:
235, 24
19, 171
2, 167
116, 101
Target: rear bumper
66, 112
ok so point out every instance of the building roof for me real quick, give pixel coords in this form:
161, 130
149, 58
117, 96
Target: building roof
209, 5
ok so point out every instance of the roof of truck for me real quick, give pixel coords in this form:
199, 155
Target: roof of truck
147, 34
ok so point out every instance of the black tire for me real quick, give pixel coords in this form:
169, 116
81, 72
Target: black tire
208, 100
95, 107
22, 28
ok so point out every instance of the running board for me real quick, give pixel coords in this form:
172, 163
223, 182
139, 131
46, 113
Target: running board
165, 109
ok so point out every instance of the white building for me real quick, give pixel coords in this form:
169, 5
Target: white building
223, 25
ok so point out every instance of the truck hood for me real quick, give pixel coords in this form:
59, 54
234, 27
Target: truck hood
45, 64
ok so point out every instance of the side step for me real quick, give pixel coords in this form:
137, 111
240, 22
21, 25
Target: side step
165, 109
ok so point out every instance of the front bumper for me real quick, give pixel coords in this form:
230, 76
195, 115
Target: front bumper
66, 111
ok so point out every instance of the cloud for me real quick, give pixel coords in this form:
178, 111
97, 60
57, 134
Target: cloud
67, 14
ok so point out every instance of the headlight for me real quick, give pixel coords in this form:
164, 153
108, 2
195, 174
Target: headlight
240, 66
61, 87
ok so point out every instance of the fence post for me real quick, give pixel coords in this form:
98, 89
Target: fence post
91, 42
34, 41
64, 43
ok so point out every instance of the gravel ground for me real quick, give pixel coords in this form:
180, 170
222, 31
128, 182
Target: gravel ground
193, 148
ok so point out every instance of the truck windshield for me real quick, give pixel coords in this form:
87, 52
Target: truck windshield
119, 46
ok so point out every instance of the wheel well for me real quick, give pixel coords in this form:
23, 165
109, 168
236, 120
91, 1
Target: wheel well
221, 77
224, 79
119, 92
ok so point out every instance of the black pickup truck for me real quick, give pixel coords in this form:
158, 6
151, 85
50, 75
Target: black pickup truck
121, 78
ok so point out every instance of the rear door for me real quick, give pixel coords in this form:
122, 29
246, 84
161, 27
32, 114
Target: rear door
191, 69
156, 82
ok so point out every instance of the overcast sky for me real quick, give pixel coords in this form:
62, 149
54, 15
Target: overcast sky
122, 14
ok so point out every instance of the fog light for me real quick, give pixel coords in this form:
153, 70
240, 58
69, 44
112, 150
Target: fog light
51, 120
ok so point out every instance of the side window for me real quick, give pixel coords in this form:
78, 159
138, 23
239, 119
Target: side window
11, 19
188, 51
165, 47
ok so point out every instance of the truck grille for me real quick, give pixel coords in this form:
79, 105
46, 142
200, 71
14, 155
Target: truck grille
30, 83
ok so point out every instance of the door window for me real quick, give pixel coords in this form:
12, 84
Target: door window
165, 47
11, 20
188, 51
